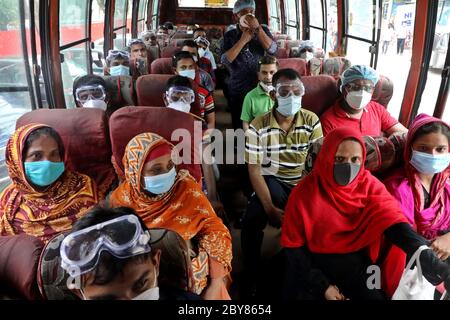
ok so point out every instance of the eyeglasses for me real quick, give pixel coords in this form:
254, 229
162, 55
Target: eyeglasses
286, 89
184, 94
358, 87
113, 54
86, 93
122, 237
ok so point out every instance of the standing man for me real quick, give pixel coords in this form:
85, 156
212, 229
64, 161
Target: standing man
243, 47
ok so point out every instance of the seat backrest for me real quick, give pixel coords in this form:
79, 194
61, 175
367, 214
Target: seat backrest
86, 140
162, 121
384, 90
335, 66
181, 34
320, 93
150, 89
282, 53
19, 256
169, 52
179, 42
297, 64
162, 66
121, 91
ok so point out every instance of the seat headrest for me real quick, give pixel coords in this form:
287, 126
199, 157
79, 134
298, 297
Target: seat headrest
335, 66
19, 258
86, 140
297, 64
320, 93
169, 52
282, 53
384, 90
162, 66
160, 120
150, 89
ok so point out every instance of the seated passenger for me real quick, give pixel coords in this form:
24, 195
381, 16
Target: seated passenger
306, 51
44, 199
258, 101
139, 54
184, 65
89, 91
165, 198
117, 63
151, 42
276, 148
335, 221
357, 110
203, 44
113, 274
162, 36
207, 76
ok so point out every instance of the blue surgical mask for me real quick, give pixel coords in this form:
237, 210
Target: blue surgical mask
188, 74
289, 106
161, 183
430, 164
43, 173
119, 71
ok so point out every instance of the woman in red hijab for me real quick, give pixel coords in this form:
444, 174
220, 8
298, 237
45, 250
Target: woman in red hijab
334, 226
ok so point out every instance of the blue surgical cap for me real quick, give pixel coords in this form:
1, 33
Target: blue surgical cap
306, 44
359, 72
243, 4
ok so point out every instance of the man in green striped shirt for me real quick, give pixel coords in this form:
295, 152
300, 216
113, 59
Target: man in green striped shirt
276, 147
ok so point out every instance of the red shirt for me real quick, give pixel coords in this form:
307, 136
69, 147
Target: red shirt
375, 119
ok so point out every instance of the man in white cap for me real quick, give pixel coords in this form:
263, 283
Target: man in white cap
242, 49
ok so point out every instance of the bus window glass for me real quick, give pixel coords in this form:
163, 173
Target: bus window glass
206, 3
358, 51
394, 53
155, 7
315, 13
142, 16
129, 17
275, 16
97, 33
360, 18
72, 21
291, 19
437, 62
120, 13
332, 35
74, 65
316, 36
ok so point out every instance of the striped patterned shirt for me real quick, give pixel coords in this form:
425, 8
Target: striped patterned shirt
281, 154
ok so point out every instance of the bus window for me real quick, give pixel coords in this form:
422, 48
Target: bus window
73, 28
97, 35
332, 26
437, 62
292, 19
142, 16
154, 14
120, 24
275, 21
394, 58
316, 23
206, 3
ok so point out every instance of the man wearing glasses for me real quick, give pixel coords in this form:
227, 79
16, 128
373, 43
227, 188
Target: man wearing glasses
357, 110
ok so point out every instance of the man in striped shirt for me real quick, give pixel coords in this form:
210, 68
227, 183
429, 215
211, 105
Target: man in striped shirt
276, 147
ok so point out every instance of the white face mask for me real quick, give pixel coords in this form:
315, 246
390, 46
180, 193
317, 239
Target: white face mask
188, 74
96, 104
307, 56
266, 87
358, 99
289, 106
180, 106
190, 32
150, 294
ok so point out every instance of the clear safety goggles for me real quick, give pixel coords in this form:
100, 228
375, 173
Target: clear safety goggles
202, 41
120, 54
184, 94
132, 42
86, 93
286, 89
357, 87
122, 237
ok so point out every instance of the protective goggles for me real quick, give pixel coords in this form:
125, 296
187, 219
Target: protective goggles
184, 94
86, 93
286, 89
122, 237
202, 41
357, 87
118, 54
133, 42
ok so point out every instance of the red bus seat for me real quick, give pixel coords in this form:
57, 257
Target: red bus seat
162, 66
282, 53
384, 90
297, 64
162, 121
19, 256
320, 93
150, 89
121, 91
169, 52
86, 141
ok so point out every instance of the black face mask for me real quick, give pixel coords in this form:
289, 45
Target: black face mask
345, 173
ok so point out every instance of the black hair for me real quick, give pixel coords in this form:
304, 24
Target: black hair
268, 60
169, 25
434, 127
289, 74
88, 80
180, 56
48, 132
178, 81
163, 28
189, 43
109, 266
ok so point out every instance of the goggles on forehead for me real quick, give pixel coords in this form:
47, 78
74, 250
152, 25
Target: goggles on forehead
85, 93
358, 87
132, 42
112, 54
184, 94
122, 237
202, 40
286, 89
